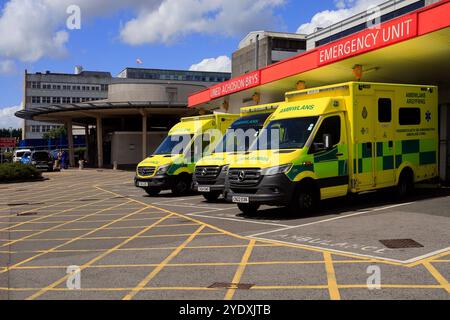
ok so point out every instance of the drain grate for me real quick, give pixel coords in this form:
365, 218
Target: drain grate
227, 285
401, 243
27, 214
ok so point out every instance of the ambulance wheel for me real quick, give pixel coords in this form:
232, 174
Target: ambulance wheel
152, 191
305, 201
211, 196
248, 208
182, 187
405, 184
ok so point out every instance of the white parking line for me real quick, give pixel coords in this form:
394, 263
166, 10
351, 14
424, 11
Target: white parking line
332, 219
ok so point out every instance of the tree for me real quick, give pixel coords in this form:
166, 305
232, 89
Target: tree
6, 133
55, 133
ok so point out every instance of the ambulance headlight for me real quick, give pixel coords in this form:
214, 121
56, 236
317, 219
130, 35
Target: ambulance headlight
276, 170
163, 169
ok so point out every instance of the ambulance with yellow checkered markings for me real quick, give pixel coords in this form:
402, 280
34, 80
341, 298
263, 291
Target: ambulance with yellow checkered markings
172, 164
329, 141
211, 171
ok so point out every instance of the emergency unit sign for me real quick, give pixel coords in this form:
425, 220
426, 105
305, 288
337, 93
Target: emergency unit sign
377, 37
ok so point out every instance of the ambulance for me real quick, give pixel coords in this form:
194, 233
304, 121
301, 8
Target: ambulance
334, 140
171, 166
211, 171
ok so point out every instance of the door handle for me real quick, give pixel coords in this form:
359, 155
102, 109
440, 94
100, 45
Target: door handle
339, 154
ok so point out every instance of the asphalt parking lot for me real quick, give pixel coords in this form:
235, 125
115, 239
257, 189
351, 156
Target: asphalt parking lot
127, 245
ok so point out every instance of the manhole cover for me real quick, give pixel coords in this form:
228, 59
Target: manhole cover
401, 243
226, 285
27, 214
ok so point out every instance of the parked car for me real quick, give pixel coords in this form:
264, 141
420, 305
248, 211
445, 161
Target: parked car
18, 154
42, 160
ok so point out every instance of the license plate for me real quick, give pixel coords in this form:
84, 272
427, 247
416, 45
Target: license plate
241, 200
204, 189
142, 184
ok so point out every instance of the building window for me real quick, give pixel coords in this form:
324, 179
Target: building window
46, 86
35, 99
65, 100
76, 100
384, 110
409, 116
46, 100
104, 87
36, 129
56, 100
35, 85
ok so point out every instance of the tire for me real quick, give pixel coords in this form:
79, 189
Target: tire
305, 201
152, 191
405, 185
182, 187
211, 196
248, 208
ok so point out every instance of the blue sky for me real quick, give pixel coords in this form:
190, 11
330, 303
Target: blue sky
169, 34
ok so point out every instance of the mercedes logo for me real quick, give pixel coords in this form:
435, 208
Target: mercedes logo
241, 175
204, 172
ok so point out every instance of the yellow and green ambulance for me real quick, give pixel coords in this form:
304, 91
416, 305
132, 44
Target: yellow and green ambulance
329, 141
210, 171
171, 166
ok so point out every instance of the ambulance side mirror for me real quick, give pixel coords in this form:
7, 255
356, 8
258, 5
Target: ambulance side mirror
327, 141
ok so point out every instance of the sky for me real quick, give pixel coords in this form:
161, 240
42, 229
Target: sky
109, 35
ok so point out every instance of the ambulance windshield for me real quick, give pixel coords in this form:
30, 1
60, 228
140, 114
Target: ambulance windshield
174, 144
285, 134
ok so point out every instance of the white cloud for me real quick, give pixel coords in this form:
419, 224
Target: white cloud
33, 29
173, 19
7, 67
219, 64
344, 9
8, 119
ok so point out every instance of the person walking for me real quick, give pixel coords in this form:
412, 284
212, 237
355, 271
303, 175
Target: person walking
64, 160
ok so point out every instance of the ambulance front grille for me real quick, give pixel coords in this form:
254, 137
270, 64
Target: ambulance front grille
207, 173
146, 171
244, 177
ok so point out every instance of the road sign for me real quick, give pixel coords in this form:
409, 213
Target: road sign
7, 142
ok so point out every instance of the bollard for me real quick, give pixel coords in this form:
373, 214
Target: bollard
80, 164
115, 165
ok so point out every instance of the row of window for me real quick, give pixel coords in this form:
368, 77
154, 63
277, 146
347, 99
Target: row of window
48, 100
41, 128
157, 76
66, 87
406, 116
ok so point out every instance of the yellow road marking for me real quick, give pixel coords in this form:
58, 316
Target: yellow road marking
155, 271
66, 243
331, 276
57, 226
437, 275
240, 270
92, 261
47, 216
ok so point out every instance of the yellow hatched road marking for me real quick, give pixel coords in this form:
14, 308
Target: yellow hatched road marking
331, 276
57, 226
240, 270
92, 261
437, 275
66, 243
155, 271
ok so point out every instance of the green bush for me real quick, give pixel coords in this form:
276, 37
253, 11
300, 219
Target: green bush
10, 172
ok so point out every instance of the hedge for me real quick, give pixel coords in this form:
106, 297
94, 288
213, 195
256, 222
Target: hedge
11, 172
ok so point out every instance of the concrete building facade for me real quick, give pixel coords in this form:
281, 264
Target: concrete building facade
45, 89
